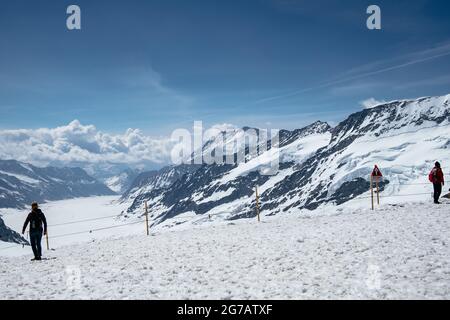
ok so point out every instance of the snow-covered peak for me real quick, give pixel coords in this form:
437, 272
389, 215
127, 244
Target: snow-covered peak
121, 182
395, 117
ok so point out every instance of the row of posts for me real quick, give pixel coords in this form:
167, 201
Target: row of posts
374, 182
373, 179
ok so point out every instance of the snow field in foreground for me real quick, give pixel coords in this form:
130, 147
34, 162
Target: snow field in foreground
397, 251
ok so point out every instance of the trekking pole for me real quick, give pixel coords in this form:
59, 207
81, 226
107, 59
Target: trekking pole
28, 238
257, 203
371, 190
46, 240
146, 218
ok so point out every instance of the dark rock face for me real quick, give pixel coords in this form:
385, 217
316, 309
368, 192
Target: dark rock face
179, 198
8, 235
151, 184
21, 184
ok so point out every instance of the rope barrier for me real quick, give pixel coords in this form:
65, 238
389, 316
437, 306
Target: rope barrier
80, 232
94, 230
395, 195
408, 184
80, 221
201, 217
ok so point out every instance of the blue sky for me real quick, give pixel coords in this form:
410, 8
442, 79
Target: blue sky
160, 65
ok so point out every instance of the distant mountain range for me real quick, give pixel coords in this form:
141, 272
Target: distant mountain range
22, 183
319, 165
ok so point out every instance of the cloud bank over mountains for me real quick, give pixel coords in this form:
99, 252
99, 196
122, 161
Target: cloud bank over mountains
78, 144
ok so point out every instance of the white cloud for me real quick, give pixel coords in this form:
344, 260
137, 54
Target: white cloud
371, 102
82, 144
100, 153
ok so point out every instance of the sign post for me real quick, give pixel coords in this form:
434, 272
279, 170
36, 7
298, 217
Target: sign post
371, 190
146, 218
378, 190
376, 176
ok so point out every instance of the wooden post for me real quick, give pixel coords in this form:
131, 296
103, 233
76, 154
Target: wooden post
378, 192
146, 218
46, 240
371, 190
257, 204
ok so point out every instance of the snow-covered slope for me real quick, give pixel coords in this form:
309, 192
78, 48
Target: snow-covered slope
404, 138
122, 182
319, 166
153, 184
398, 252
22, 183
201, 188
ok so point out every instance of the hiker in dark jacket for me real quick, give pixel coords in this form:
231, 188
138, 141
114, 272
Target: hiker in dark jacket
36, 218
437, 178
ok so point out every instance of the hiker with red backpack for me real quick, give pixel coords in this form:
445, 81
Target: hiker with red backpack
436, 177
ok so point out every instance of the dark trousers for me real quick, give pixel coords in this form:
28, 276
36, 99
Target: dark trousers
437, 191
35, 240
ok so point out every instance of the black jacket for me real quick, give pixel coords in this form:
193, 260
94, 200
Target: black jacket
36, 218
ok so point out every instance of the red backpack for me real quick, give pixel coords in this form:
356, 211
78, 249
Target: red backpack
432, 175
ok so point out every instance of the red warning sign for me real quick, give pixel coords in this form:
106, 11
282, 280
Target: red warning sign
376, 172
